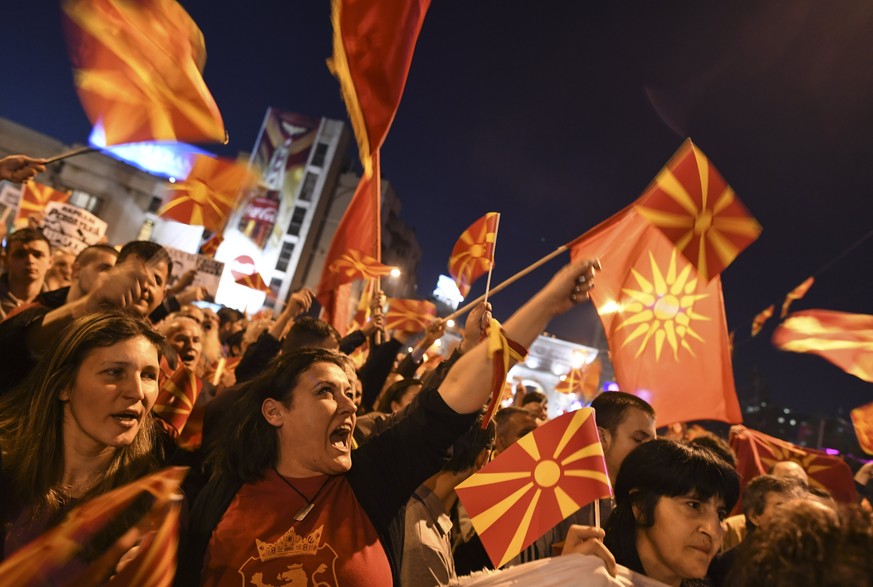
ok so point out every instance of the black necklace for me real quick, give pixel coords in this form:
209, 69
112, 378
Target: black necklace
310, 503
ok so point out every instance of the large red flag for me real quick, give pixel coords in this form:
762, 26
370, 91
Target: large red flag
35, 196
357, 234
694, 206
409, 315
207, 195
138, 71
665, 326
796, 294
473, 253
757, 453
862, 420
844, 339
535, 483
373, 44
49, 559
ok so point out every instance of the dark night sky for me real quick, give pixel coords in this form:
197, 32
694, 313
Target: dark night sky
558, 114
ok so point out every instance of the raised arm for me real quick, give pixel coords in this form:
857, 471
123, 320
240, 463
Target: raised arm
467, 386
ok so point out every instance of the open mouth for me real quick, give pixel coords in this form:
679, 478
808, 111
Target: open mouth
341, 437
127, 418
189, 359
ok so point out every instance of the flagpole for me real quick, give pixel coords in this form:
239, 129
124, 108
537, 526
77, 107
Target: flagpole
491, 264
380, 335
70, 153
467, 307
597, 513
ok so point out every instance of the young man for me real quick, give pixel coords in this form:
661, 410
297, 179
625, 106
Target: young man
28, 256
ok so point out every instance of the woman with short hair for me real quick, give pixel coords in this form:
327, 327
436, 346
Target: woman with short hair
670, 501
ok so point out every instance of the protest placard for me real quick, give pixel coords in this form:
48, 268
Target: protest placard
208, 269
71, 228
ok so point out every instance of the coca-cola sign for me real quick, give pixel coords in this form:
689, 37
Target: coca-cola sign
262, 210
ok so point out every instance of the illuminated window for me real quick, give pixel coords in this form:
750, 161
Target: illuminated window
285, 256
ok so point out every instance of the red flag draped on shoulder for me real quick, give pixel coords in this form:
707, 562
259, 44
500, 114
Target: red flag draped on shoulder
665, 326
138, 71
51, 558
207, 195
796, 294
862, 420
473, 254
698, 211
35, 196
534, 484
844, 339
409, 315
373, 44
757, 453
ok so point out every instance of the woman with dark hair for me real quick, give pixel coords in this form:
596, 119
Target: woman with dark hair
285, 505
81, 424
670, 501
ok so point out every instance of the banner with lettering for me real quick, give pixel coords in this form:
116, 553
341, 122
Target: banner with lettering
208, 269
71, 228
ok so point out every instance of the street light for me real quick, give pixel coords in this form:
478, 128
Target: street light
395, 272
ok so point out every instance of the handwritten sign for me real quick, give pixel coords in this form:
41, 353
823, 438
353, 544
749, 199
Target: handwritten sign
208, 269
70, 227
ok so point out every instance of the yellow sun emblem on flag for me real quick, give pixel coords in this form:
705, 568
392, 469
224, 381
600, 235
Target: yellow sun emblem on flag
660, 310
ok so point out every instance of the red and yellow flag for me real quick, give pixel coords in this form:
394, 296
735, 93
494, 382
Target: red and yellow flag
49, 559
584, 380
534, 484
692, 204
761, 318
844, 339
503, 354
177, 397
138, 71
35, 196
473, 254
409, 315
757, 453
254, 281
373, 44
211, 245
207, 195
356, 265
862, 420
665, 326
796, 294
357, 237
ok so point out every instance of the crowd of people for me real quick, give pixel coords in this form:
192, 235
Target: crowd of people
321, 459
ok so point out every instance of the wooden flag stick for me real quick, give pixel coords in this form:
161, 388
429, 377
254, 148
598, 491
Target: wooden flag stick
597, 513
467, 307
491, 264
70, 153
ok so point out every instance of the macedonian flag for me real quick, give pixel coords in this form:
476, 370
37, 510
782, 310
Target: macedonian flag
761, 319
535, 483
757, 453
796, 294
665, 326
409, 315
207, 195
473, 254
584, 380
35, 196
357, 265
254, 281
210, 246
176, 399
692, 204
862, 420
844, 339
138, 69
504, 353
51, 559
